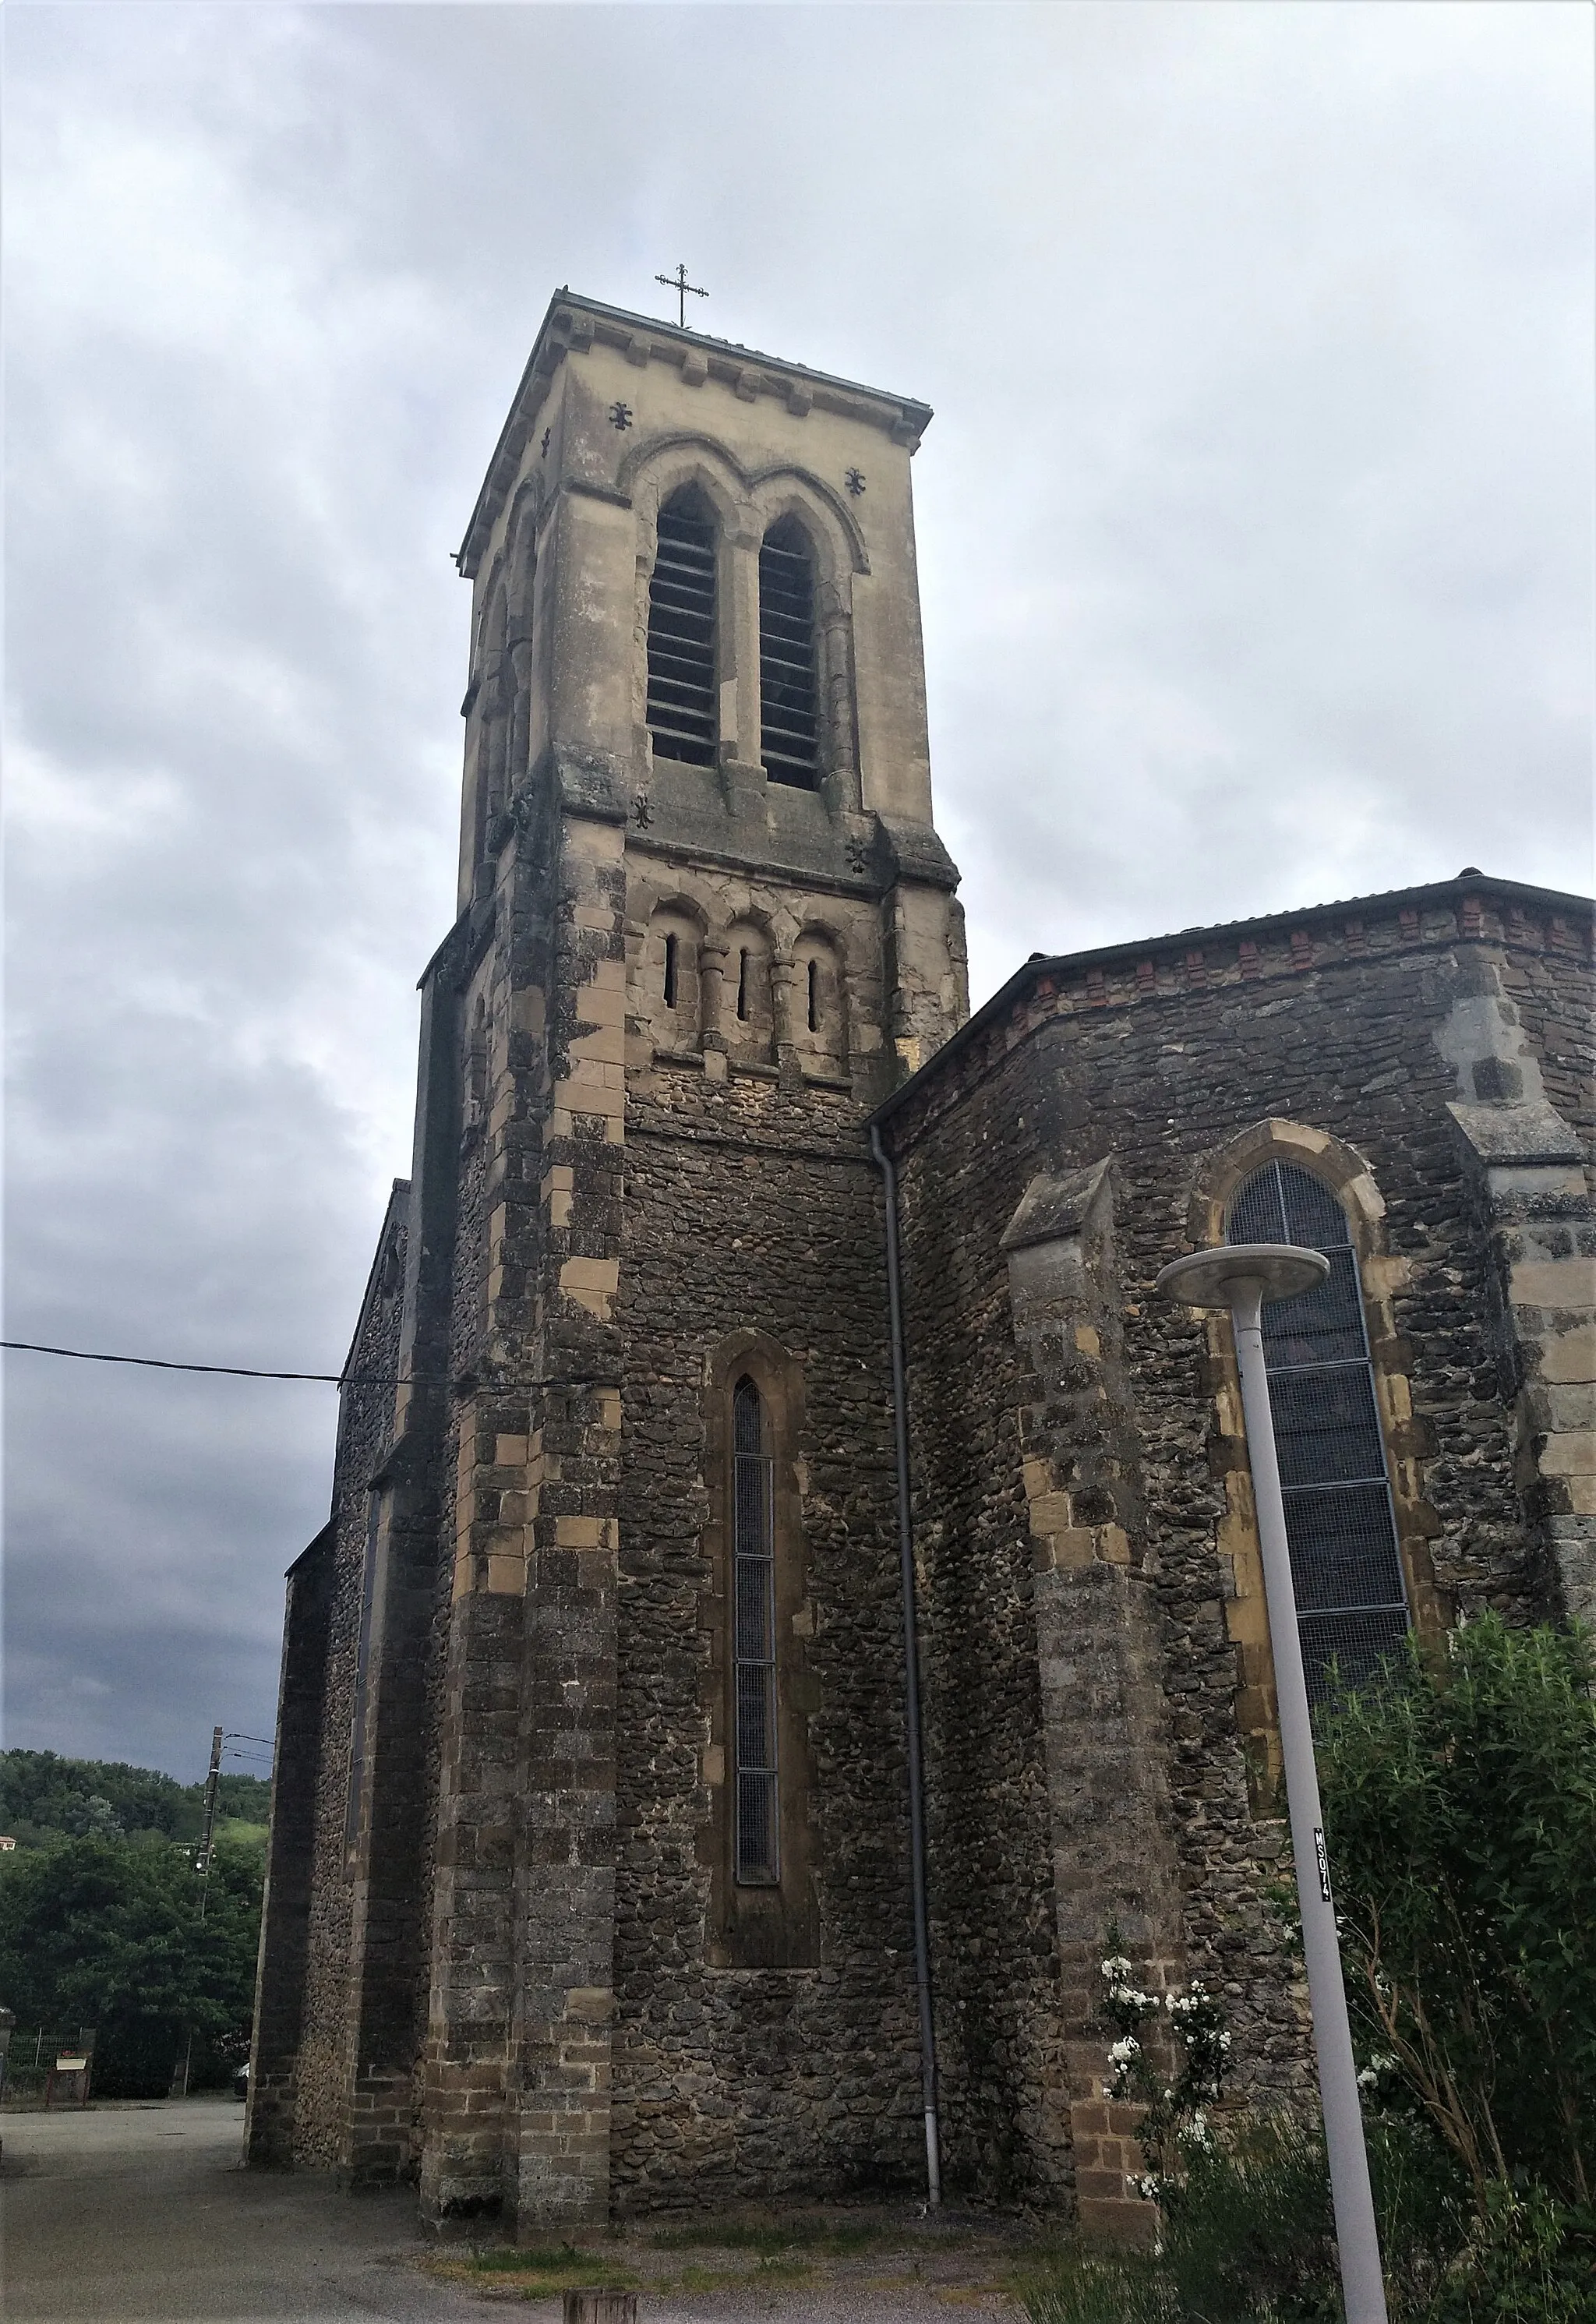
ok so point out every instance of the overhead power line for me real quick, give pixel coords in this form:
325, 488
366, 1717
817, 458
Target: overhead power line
232, 1371
333, 1379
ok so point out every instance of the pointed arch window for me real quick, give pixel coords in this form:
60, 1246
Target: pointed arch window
682, 700
789, 722
1340, 1523
756, 1840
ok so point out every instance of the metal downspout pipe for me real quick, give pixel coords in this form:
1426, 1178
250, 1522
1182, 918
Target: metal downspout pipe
911, 1681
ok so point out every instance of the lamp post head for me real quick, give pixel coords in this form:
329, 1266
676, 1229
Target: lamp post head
1234, 1271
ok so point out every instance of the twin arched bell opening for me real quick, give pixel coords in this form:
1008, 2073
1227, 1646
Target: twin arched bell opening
684, 644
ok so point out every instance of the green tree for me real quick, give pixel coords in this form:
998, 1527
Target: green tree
1461, 1808
95, 1933
43, 1795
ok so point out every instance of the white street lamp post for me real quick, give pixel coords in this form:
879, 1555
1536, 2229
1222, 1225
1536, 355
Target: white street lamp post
1242, 1276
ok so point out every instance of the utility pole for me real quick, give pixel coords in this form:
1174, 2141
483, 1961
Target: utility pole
180, 2079
1241, 1277
211, 1781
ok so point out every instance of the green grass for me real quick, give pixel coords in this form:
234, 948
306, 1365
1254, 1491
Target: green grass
521, 2258
774, 2268
232, 1831
535, 2272
772, 2238
1074, 2288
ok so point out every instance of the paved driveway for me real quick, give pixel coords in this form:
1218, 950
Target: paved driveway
144, 2211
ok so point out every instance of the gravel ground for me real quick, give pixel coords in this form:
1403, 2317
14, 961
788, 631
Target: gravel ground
144, 2211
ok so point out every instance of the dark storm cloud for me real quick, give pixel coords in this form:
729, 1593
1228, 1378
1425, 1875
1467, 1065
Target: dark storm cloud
1254, 538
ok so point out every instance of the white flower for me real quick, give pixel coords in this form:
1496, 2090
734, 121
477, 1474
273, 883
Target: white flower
1126, 2048
1146, 2185
1116, 1969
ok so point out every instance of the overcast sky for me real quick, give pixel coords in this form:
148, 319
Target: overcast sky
1255, 533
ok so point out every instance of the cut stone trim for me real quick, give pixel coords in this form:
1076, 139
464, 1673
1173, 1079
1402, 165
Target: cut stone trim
1407, 1442
1105, 1722
1526, 1169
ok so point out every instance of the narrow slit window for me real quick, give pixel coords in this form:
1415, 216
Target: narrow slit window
1341, 1526
743, 983
789, 722
670, 944
681, 704
756, 1805
814, 996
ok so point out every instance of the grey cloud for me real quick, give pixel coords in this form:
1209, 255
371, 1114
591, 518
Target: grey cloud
1254, 542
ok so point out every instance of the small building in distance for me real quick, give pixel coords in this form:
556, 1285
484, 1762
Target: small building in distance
588, 1884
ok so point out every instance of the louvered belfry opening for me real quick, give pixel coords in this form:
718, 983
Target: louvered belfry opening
1340, 1523
756, 1837
789, 722
681, 632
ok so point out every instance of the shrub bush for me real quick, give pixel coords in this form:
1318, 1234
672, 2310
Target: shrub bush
1460, 1806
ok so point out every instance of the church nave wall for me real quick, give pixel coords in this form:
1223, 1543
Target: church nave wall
758, 2051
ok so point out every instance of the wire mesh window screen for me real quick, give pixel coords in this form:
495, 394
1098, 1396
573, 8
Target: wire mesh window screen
757, 1836
789, 698
681, 708
1345, 1650
1340, 1525
1326, 1427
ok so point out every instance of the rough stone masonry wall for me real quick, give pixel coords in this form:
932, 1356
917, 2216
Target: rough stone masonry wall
1158, 1063
322, 2067
283, 1958
751, 1207
999, 2037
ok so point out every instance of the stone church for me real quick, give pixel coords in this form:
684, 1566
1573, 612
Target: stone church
591, 1885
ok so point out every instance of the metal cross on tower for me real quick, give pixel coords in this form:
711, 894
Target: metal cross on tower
678, 283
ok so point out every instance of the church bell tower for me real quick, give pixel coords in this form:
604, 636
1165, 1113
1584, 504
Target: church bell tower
636, 1481
696, 620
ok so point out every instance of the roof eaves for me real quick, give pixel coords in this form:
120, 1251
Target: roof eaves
1105, 956
323, 1540
398, 1196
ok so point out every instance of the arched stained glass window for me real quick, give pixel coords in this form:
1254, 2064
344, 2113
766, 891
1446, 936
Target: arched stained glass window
789, 698
681, 709
756, 1838
1351, 1605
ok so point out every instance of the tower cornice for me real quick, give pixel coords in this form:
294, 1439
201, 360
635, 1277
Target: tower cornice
572, 325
